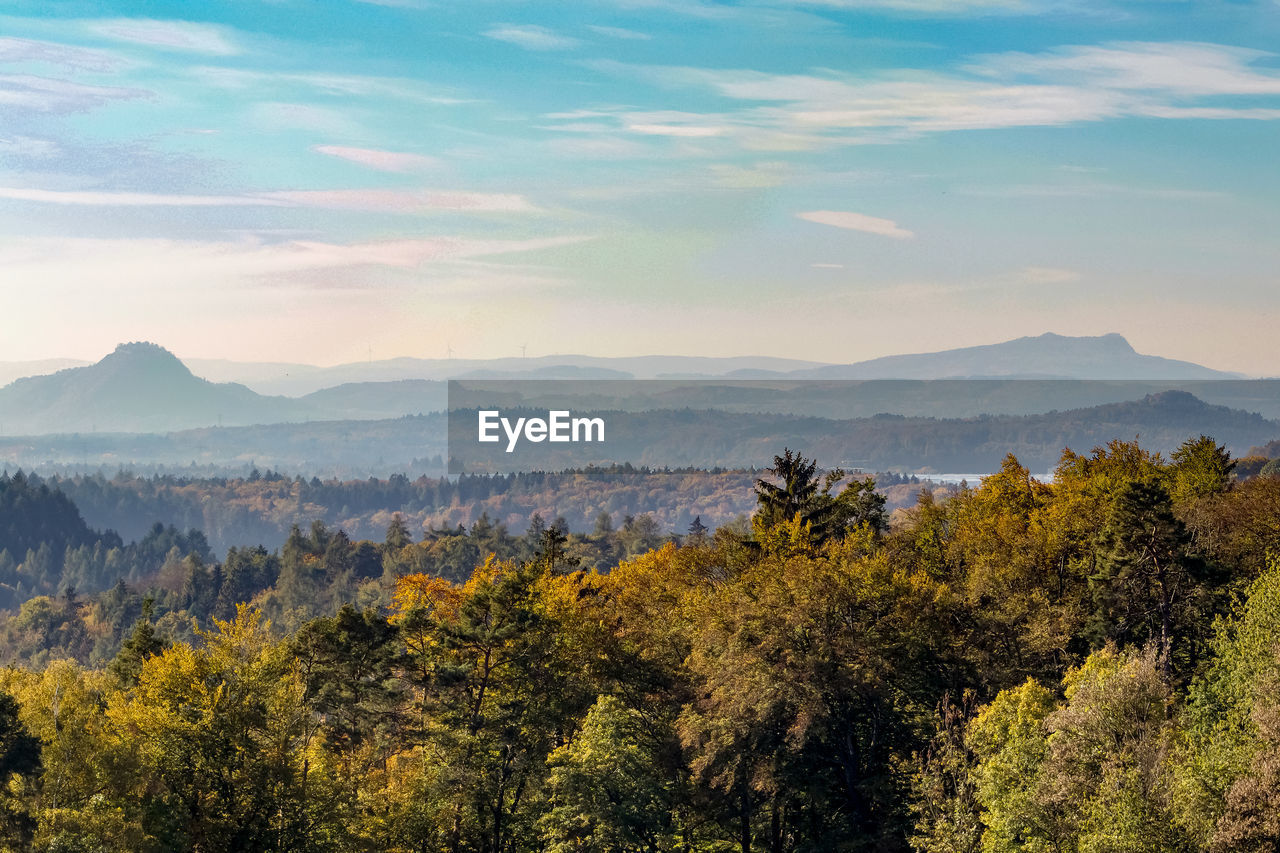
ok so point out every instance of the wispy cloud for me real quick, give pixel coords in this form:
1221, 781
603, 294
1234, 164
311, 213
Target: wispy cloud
948, 8
620, 33
383, 161
1091, 190
857, 222
150, 262
1064, 86
94, 198
27, 147
1181, 68
685, 130
326, 83
168, 35
531, 37
392, 201
52, 53
48, 95
405, 201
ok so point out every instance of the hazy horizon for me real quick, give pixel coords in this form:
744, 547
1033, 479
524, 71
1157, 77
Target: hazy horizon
744, 356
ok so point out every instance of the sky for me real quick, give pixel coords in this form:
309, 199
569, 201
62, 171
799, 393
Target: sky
834, 180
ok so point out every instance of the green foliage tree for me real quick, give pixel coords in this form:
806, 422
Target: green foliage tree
605, 791
1201, 467
804, 499
1145, 578
143, 643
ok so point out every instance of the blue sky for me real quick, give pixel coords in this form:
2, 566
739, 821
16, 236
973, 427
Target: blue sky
831, 180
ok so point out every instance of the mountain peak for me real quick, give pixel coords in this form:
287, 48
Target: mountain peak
139, 387
1112, 342
143, 359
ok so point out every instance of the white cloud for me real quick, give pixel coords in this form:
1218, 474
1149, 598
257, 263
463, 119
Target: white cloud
827, 266
930, 7
1064, 86
326, 83
531, 37
28, 147
686, 130
857, 222
52, 53
168, 35
1091, 189
48, 95
1182, 68
93, 198
395, 201
620, 33
403, 201
156, 259
383, 161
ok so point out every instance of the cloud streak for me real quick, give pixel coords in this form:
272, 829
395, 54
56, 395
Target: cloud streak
48, 95
374, 200
14, 50
159, 258
531, 37
383, 161
857, 222
1068, 85
168, 35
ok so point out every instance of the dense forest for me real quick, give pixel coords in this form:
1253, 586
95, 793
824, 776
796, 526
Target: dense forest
1086, 664
261, 507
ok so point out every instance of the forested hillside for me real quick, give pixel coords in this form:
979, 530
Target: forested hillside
263, 506
722, 427
1087, 664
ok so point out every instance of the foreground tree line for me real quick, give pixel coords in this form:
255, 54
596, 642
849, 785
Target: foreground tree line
1084, 665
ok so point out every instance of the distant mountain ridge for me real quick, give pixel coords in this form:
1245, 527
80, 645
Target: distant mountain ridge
143, 388
1046, 356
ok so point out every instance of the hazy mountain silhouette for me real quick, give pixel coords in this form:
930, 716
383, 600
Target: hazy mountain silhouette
140, 387
1047, 356
301, 379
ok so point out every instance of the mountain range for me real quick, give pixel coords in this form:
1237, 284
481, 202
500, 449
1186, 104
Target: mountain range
1047, 356
143, 388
